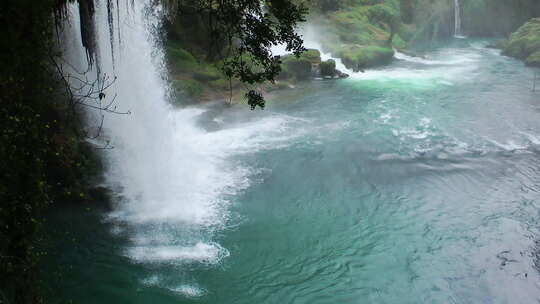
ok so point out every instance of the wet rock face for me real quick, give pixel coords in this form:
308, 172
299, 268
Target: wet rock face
340, 74
309, 65
302, 67
328, 68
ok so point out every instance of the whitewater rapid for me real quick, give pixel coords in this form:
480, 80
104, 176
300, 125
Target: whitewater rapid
171, 177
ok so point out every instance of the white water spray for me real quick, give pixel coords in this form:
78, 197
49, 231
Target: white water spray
172, 178
310, 42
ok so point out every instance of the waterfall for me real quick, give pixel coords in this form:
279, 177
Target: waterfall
172, 179
457, 20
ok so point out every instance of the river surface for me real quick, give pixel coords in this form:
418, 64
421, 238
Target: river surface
415, 183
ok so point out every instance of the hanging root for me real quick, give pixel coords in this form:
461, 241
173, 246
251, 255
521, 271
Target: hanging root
88, 28
110, 21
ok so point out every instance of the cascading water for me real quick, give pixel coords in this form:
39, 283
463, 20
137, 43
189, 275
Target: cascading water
457, 20
310, 35
171, 177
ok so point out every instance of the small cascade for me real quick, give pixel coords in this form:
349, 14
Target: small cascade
327, 56
281, 51
457, 20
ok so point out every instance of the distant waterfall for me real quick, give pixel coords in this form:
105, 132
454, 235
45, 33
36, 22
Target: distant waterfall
457, 25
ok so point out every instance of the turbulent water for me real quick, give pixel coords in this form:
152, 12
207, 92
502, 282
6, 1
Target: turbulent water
415, 183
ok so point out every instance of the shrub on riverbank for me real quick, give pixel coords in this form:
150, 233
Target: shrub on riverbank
525, 43
328, 68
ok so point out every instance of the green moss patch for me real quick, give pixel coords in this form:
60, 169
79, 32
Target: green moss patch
328, 68
525, 43
358, 58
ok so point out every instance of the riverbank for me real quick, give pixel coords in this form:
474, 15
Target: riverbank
524, 44
361, 35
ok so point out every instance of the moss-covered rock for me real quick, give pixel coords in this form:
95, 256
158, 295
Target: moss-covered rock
179, 59
189, 87
311, 55
359, 58
328, 68
500, 44
525, 43
299, 68
207, 74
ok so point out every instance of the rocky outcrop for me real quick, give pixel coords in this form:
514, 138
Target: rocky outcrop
308, 65
327, 68
359, 58
524, 43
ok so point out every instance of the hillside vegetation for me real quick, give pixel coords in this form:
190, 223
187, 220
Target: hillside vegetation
524, 44
363, 33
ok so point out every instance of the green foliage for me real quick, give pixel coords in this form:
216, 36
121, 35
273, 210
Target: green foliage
359, 58
352, 26
533, 59
190, 87
208, 74
406, 32
223, 84
388, 15
311, 55
360, 22
240, 29
179, 58
255, 99
501, 44
383, 13
299, 68
525, 41
25, 140
328, 68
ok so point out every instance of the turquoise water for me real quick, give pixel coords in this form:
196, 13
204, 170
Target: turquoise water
416, 183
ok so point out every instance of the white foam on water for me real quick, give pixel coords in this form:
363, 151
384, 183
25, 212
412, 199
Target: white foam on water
453, 65
450, 59
535, 140
151, 281
509, 146
189, 291
206, 253
173, 180
186, 290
